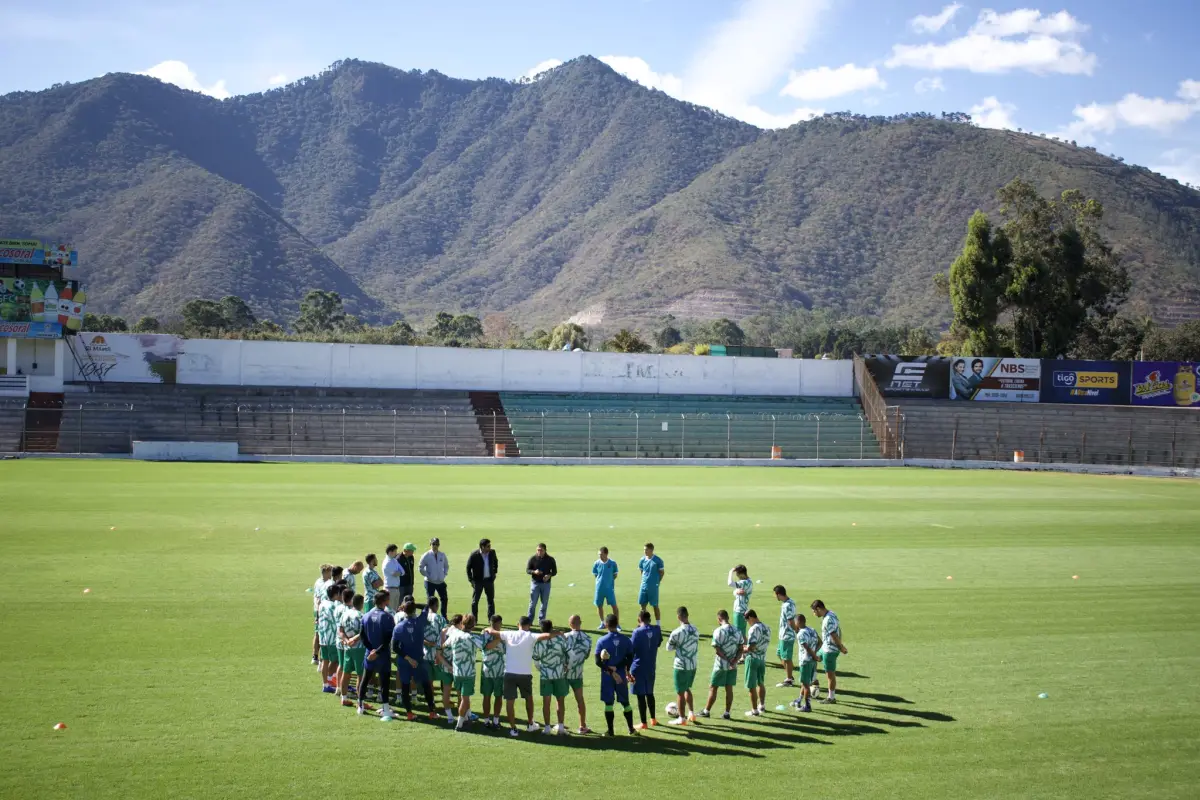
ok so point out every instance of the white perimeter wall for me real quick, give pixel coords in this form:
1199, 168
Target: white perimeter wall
240, 363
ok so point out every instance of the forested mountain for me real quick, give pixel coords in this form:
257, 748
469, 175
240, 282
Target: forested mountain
409, 192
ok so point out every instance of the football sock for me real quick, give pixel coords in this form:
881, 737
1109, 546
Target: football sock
628, 716
651, 706
609, 716
642, 707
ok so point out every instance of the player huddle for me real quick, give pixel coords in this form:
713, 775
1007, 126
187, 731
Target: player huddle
365, 638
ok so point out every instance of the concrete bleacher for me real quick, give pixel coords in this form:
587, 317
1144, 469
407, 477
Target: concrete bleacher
274, 421
1048, 433
683, 426
12, 422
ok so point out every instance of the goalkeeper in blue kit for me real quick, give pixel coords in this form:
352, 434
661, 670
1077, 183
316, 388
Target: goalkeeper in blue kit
614, 657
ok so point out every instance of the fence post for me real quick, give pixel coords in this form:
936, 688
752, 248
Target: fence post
291, 430
131, 428
1083, 449
772, 433
1130, 462
682, 433
543, 434
954, 439
79, 438
1042, 441
445, 434
996, 446
862, 432
1174, 433
589, 450
818, 437
637, 435
494, 430
728, 425
343, 434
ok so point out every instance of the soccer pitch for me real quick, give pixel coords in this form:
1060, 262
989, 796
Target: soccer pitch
185, 671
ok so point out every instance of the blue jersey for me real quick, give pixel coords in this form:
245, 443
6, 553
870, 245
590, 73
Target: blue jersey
377, 630
408, 639
605, 572
619, 649
646, 640
650, 568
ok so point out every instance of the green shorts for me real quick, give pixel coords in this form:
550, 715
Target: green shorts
352, 659
723, 677
442, 675
739, 622
329, 652
553, 687
785, 650
830, 660
808, 671
756, 672
575, 683
465, 686
684, 678
491, 687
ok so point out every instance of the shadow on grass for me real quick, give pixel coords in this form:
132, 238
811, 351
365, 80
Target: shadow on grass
932, 716
882, 698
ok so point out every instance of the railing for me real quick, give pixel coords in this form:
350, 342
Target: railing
345, 432
14, 386
885, 419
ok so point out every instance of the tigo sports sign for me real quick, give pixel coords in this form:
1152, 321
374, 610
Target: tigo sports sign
1090, 382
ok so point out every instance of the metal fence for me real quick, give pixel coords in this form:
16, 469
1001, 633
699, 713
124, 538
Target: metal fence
444, 432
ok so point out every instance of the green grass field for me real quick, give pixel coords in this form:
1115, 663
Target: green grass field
185, 671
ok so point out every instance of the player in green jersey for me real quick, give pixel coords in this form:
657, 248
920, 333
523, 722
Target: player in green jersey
810, 647
684, 641
787, 634
353, 650
758, 638
727, 647
438, 671
327, 635
320, 586
551, 657
462, 644
372, 581
743, 587
831, 646
344, 601
579, 649
491, 684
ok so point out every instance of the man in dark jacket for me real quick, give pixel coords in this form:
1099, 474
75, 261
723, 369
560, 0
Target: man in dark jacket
409, 562
541, 568
377, 629
408, 643
481, 574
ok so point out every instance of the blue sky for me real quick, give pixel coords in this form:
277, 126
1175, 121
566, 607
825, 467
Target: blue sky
1121, 75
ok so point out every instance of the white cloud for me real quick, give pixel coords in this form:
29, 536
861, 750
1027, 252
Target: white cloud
1182, 165
765, 119
544, 66
636, 69
181, 75
934, 23
1021, 40
991, 113
1136, 111
277, 80
927, 85
823, 83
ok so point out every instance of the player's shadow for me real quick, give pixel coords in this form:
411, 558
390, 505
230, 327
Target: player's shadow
827, 727
891, 723
882, 698
932, 716
650, 744
772, 738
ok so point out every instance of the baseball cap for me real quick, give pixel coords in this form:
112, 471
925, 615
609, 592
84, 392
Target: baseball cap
410, 547
435, 540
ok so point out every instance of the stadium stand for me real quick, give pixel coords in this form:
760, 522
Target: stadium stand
328, 422
675, 426
1047, 433
12, 422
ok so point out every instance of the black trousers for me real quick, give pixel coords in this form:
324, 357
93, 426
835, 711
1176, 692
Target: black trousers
384, 671
438, 589
486, 586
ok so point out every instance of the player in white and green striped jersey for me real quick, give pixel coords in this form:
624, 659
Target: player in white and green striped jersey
351, 649
327, 636
320, 586
684, 641
743, 587
758, 638
579, 651
372, 581
492, 682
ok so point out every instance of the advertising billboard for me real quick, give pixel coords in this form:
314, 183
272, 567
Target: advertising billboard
30, 330
37, 253
1165, 383
1010, 380
42, 301
127, 357
1093, 382
911, 376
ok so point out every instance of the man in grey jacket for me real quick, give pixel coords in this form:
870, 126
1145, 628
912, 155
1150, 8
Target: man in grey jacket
434, 567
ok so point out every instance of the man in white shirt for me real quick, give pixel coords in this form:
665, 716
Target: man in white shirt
393, 575
434, 567
518, 671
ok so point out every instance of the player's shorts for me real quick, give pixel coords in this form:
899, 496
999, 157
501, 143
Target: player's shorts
441, 675
648, 595
465, 686
684, 678
610, 690
491, 687
553, 687
605, 594
352, 659
514, 683
644, 683
739, 622
329, 652
830, 660
575, 683
785, 650
406, 673
723, 677
756, 672
808, 671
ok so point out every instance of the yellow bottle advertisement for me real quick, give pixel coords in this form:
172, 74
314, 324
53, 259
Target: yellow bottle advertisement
1165, 383
1185, 385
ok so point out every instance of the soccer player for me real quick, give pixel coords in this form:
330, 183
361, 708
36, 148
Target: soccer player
579, 647
685, 643
810, 645
651, 567
743, 587
646, 640
352, 574
550, 655
831, 637
727, 644
614, 655
353, 651
320, 586
372, 582
408, 643
788, 625
377, 628
327, 635
444, 664
757, 641
337, 575
518, 672
433, 646
343, 604
605, 570
462, 645
491, 685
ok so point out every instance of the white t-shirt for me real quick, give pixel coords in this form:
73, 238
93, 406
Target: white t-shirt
518, 660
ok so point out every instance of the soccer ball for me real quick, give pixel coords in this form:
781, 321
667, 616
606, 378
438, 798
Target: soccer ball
19, 286
672, 709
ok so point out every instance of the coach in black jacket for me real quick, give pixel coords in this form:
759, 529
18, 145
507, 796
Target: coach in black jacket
481, 574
